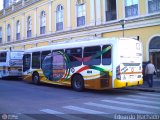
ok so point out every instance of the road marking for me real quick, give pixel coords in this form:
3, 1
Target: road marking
89, 111
84, 110
137, 100
131, 104
61, 115
117, 108
145, 97
150, 94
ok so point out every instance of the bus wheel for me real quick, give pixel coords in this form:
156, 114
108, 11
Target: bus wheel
78, 83
35, 78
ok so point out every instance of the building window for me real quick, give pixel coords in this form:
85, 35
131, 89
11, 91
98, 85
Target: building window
81, 12
8, 33
131, 8
110, 10
0, 35
43, 22
18, 30
153, 6
59, 18
29, 31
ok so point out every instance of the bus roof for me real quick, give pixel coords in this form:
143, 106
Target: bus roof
12, 51
73, 44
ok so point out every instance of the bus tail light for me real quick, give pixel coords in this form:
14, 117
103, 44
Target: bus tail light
118, 75
9, 69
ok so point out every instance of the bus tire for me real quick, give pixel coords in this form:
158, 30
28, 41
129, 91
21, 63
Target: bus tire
35, 78
77, 83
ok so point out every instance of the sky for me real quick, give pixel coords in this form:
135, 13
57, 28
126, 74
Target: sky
1, 4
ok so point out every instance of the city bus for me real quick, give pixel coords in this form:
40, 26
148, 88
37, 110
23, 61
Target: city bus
94, 64
11, 63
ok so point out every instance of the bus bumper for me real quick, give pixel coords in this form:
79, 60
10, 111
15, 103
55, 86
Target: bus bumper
121, 84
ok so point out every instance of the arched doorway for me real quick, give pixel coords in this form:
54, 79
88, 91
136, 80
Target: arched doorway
154, 50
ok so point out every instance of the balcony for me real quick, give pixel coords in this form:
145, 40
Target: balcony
29, 34
18, 36
42, 30
111, 15
59, 26
8, 38
80, 21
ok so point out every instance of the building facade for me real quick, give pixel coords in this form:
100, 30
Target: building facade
33, 23
8, 3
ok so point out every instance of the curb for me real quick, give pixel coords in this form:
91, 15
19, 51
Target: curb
145, 89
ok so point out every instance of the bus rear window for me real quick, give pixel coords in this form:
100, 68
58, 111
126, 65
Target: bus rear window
3, 56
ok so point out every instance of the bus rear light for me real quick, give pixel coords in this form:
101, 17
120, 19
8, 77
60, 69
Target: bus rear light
118, 76
140, 68
118, 70
9, 69
139, 76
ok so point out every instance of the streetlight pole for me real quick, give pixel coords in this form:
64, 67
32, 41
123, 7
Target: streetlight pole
122, 22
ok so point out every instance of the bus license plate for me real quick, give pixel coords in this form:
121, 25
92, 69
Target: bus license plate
132, 76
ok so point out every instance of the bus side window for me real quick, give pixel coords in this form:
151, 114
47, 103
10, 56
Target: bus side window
75, 56
26, 62
36, 60
43, 55
106, 57
92, 55
3, 56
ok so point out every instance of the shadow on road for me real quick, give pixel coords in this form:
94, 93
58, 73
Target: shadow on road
68, 88
11, 78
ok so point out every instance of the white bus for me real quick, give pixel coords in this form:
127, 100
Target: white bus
11, 63
94, 64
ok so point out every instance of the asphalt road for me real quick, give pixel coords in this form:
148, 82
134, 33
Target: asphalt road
24, 101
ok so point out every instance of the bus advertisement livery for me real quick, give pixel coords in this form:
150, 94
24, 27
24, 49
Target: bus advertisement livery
11, 63
94, 64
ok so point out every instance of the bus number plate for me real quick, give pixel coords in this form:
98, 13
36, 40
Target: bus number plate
132, 76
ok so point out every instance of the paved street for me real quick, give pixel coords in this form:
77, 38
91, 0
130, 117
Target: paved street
24, 101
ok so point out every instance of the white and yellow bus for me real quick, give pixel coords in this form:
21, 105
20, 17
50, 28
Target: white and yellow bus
94, 64
11, 63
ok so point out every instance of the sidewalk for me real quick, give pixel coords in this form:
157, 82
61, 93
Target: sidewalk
145, 86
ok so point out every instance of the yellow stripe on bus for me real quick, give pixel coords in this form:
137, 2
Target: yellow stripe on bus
91, 76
